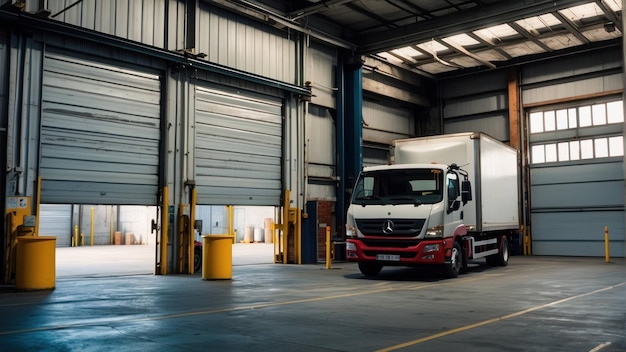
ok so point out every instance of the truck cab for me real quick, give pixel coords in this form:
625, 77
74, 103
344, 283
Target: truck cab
407, 214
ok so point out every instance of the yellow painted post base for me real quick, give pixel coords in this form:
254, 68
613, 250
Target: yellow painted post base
217, 257
35, 267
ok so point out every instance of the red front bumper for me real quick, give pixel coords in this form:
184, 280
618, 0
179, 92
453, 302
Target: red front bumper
400, 252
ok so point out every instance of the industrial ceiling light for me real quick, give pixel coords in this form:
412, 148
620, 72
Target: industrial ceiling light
609, 27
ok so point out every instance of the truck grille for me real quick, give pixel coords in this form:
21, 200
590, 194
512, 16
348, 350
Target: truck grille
390, 227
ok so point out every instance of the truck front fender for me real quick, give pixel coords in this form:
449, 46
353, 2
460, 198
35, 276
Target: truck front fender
448, 243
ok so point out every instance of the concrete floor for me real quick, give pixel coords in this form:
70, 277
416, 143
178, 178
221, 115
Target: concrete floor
534, 304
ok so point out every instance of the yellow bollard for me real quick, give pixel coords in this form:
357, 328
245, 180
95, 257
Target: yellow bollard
35, 263
606, 244
217, 257
328, 260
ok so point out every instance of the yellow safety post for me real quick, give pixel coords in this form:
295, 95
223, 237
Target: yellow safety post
91, 227
606, 244
37, 205
298, 236
164, 230
192, 226
328, 260
231, 231
285, 226
275, 229
82, 239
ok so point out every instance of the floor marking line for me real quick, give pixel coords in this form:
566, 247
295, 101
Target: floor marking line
600, 346
490, 321
234, 309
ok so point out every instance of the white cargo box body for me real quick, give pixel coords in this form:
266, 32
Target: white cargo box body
492, 169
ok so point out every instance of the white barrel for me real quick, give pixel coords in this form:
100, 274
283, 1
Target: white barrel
258, 234
248, 235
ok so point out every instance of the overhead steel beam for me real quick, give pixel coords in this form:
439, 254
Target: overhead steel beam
268, 16
317, 8
460, 22
28, 21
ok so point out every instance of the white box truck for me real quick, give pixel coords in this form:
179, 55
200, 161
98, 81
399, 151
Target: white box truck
445, 200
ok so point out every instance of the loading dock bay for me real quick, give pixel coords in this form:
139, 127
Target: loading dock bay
534, 304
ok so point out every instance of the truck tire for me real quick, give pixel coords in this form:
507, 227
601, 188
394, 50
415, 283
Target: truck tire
502, 258
370, 269
454, 267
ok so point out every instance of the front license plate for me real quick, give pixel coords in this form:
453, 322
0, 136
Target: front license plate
388, 257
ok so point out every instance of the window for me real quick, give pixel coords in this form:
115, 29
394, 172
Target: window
582, 116
592, 115
601, 147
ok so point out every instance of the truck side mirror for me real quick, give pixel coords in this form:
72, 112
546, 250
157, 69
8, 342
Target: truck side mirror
466, 191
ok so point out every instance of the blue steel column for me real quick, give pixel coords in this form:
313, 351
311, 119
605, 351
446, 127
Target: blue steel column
349, 133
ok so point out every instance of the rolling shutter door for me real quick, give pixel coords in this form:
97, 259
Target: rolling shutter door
238, 147
100, 133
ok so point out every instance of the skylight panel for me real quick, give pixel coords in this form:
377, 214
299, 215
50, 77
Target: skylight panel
409, 52
432, 46
461, 39
579, 14
614, 5
539, 24
497, 34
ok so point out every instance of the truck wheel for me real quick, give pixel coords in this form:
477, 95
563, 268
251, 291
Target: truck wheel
197, 259
370, 269
453, 268
502, 258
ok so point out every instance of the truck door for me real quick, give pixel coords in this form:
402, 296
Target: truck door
454, 212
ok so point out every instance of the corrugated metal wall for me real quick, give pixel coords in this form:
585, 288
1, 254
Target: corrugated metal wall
476, 103
142, 21
321, 153
386, 120
243, 44
56, 220
227, 39
100, 132
320, 71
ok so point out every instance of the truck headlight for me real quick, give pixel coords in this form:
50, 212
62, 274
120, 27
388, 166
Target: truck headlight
350, 231
434, 232
350, 246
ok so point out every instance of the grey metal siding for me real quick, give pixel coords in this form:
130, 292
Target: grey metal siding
386, 121
142, 21
477, 102
238, 148
100, 133
571, 76
244, 44
56, 220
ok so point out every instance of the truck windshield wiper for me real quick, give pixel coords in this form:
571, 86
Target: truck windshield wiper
363, 200
402, 199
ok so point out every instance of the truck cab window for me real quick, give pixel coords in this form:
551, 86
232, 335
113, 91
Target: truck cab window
453, 190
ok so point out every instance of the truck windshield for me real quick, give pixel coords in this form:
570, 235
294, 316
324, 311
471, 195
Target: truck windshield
395, 186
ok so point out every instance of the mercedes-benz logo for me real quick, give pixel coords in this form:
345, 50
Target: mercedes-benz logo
388, 227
